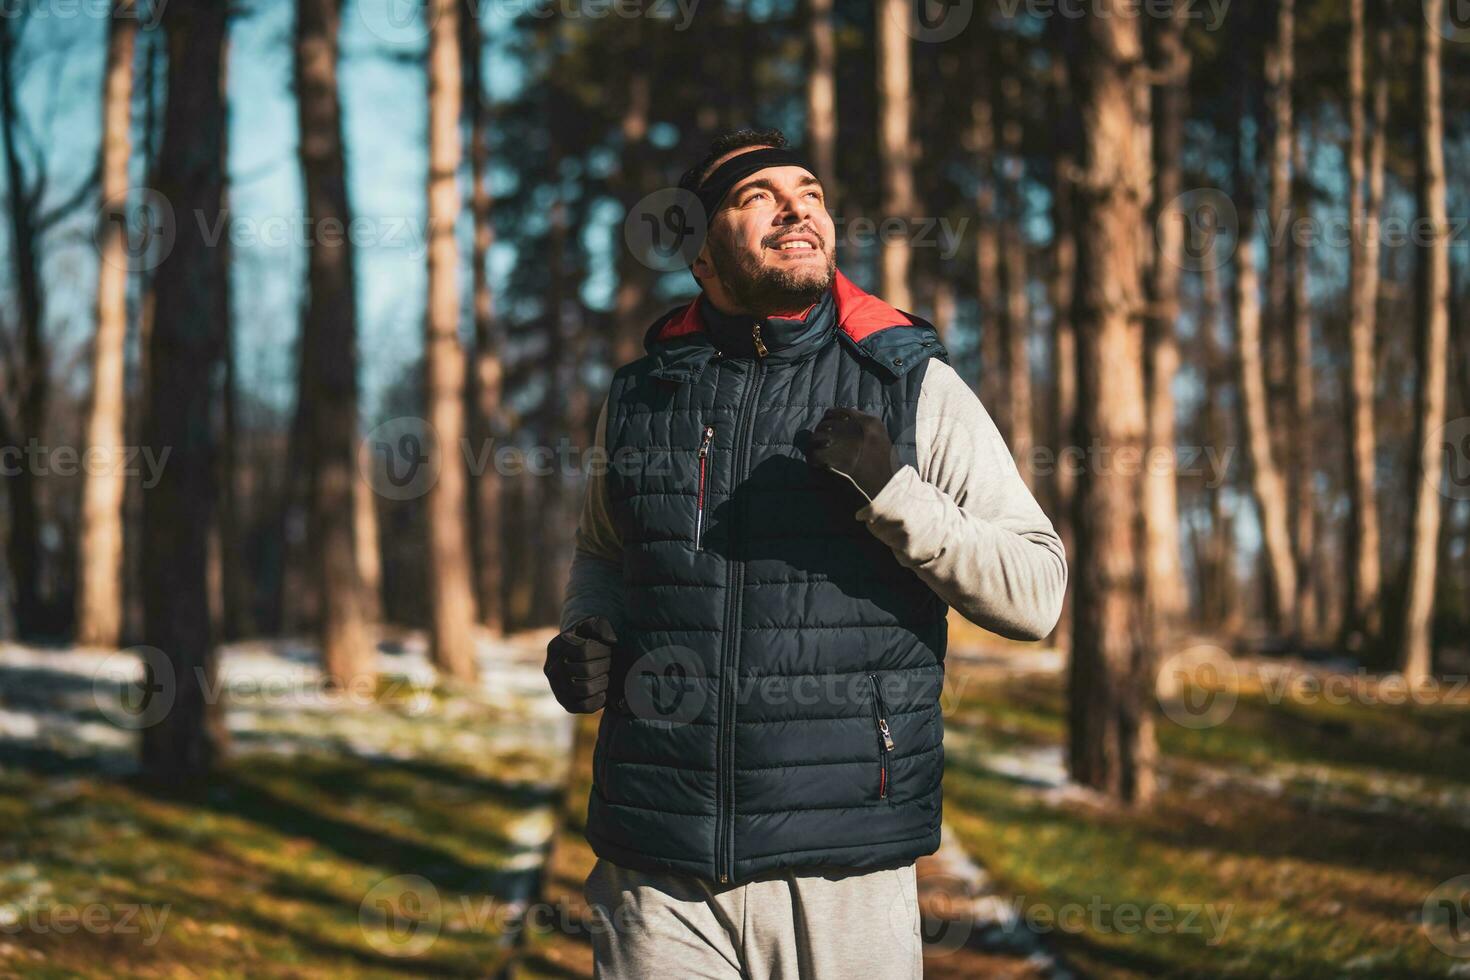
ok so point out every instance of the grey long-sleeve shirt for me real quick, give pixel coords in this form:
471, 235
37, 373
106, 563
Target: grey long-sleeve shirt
963, 520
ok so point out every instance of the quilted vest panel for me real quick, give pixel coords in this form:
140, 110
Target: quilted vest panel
784, 670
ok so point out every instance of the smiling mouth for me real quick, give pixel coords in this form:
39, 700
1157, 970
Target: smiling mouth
800, 245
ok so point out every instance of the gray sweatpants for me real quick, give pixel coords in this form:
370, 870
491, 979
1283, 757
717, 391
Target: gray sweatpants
811, 925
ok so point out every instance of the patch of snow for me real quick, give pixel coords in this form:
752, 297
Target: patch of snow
1041, 766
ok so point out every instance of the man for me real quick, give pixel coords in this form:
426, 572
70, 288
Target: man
798, 488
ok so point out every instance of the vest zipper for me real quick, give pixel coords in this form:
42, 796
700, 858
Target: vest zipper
729, 664
709, 434
755, 335
885, 737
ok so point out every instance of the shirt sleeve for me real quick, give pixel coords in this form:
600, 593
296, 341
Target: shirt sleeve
595, 585
966, 522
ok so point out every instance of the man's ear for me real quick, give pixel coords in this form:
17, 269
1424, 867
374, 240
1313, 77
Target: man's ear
702, 267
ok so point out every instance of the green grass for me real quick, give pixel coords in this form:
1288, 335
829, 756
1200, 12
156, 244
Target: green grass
1313, 832
266, 871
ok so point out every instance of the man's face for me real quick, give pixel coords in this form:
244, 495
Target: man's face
772, 245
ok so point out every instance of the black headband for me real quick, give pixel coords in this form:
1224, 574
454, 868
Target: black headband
714, 187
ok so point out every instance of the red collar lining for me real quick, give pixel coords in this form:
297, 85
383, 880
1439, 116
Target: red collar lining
858, 314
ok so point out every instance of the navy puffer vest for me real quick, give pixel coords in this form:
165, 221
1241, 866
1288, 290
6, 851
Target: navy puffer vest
782, 704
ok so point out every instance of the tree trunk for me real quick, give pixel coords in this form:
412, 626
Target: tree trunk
329, 332
556, 420
991, 383
1432, 322
369, 558
1280, 74
821, 97
452, 612
1267, 486
99, 571
1016, 319
1363, 618
1167, 600
23, 546
133, 499
184, 744
1112, 746
1217, 578
1303, 388
1060, 294
895, 147
486, 372
232, 602
630, 306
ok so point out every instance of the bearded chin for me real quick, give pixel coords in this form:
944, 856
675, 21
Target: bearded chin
768, 290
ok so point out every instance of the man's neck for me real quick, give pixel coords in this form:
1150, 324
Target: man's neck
732, 333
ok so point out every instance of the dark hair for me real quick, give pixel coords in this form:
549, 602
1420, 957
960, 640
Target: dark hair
727, 143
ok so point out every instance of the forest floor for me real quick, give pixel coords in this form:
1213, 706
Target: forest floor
1305, 825
390, 834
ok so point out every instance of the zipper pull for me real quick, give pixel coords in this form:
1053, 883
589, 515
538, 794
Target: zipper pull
887, 736
709, 433
755, 334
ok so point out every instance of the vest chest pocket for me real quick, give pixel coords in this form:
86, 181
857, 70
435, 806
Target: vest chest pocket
706, 438
885, 736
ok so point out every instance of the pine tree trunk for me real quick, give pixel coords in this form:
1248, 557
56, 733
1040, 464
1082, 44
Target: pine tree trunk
232, 602
895, 146
1060, 292
552, 517
1432, 316
330, 332
630, 304
1167, 599
452, 611
1016, 319
23, 545
1280, 75
1217, 579
1363, 617
821, 97
991, 383
1266, 482
99, 571
369, 555
1112, 745
1303, 395
485, 378
185, 743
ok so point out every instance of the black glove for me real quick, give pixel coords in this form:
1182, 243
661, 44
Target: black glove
855, 445
579, 665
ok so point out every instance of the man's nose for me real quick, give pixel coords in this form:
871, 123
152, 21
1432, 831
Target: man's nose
794, 208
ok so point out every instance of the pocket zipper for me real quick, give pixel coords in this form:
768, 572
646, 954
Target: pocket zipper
885, 737
709, 435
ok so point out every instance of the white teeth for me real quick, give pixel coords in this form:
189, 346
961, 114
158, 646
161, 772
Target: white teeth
786, 246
